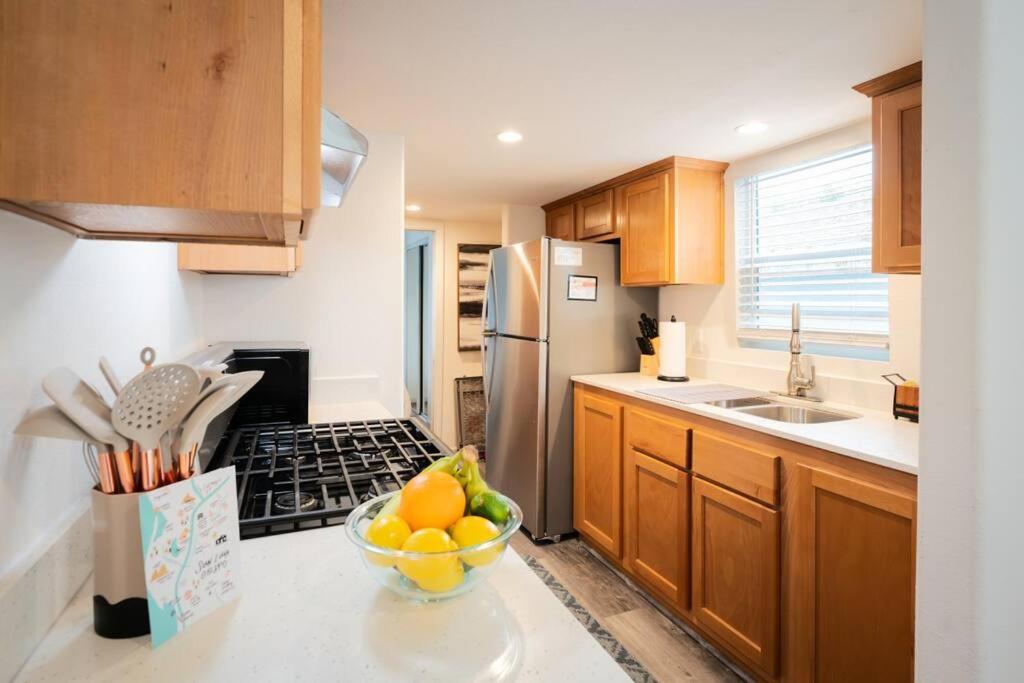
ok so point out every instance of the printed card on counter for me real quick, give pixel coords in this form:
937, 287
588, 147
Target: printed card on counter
191, 548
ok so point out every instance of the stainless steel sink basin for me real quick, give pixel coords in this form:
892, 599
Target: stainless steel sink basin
796, 414
740, 403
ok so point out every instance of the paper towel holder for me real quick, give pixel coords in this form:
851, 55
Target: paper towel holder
672, 378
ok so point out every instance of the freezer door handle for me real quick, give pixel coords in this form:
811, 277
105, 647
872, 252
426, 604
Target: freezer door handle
488, 365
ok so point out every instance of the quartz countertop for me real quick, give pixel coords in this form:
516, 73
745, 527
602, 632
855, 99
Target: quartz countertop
310, 610
873, 437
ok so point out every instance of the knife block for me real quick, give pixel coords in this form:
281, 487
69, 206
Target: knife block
649, 364
119, 605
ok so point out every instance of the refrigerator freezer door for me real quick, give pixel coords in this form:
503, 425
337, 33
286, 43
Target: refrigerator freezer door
514, 302
516, 378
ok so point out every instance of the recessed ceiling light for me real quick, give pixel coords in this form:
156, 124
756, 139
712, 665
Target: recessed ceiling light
412, 208
752, 127
510, 136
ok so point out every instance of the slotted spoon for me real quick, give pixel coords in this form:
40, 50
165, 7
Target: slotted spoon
152, 403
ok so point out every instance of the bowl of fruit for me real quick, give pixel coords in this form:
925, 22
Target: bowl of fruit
441, 535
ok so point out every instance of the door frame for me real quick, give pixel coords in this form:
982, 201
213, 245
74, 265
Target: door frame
437, 416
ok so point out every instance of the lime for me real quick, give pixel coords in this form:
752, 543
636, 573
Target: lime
386, 531
489, 505
470, 531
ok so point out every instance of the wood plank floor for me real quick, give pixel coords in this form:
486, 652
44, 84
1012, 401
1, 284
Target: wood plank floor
668, 652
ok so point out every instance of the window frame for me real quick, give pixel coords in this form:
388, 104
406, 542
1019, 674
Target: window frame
860, 344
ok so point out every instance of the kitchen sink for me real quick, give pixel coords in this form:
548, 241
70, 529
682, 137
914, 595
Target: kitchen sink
796, 414
740, 403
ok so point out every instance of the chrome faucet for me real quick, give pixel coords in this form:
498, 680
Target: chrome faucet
798, 384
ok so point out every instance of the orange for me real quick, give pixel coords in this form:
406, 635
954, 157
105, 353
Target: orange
432, 500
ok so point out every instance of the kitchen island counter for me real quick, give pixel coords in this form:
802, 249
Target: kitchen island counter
309, 610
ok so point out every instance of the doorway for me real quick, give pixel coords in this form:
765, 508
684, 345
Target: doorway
419, 316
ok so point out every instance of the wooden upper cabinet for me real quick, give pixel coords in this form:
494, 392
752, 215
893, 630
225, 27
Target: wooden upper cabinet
645, 221
192, 120
853, 550
594, 216
736, 588
656, 502
597, 476
668, 217
241, 259
561, 222
896, 137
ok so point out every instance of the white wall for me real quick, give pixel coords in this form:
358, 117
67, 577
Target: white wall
521, 223
970, 598
450, 363
346, 301
710, 310
65, 301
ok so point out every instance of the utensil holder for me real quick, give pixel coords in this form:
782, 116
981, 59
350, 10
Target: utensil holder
119, 605
649, 364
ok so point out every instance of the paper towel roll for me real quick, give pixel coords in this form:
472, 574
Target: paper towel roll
672, 351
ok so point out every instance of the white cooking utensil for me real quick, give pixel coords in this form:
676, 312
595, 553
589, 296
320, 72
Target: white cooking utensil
85, 407
151, 404
194, 428
49, 422
108, 373
243, 380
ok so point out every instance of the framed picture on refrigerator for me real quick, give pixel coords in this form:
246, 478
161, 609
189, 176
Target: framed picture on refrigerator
474, 263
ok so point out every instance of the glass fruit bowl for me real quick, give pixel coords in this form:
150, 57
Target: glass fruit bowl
429, 576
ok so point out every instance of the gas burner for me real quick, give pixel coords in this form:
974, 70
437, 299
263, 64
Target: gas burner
337, 465
285, 502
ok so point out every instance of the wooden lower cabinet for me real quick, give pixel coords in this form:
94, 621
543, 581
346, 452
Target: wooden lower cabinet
656, 503
597, 476
854, 547
736, 572
796, 563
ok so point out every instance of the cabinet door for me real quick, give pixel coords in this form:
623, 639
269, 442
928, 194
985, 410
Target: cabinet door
594, 216
597, 476
560, 222
897, 189
853, 583
736, 573
644, 219
656, 503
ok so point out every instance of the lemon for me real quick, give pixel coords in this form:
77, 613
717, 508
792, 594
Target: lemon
386, 531
470, 531
434, 574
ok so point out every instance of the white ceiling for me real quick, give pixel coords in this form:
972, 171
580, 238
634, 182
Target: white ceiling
597, 87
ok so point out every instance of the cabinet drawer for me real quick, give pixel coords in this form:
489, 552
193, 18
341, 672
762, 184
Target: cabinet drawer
736, 466
662, 437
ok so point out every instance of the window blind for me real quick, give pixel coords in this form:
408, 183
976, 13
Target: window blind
803, 234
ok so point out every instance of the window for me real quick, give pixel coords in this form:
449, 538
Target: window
803, 234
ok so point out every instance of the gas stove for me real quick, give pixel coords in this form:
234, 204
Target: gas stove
295, 477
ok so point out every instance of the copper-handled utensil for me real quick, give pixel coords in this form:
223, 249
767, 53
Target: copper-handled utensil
51, 422
86, 408
151, 404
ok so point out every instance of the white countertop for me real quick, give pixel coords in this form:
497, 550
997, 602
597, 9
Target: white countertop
311, 611
873, 437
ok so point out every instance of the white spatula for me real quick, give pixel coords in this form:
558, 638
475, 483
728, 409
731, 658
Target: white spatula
86, 408
194, 428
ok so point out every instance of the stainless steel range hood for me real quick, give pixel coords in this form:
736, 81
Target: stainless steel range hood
342, 150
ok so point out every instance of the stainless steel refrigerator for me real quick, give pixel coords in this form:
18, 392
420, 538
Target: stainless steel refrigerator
552, 309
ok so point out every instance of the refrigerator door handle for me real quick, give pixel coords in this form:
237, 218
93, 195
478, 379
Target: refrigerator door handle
489, 303
488, 366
